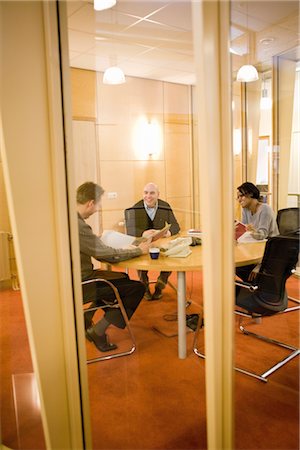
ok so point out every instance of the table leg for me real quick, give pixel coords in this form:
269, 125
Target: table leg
181, 310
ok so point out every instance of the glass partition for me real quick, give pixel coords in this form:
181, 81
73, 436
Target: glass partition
20, 412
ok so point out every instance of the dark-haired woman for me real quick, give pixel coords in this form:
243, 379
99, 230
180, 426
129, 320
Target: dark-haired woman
258, 217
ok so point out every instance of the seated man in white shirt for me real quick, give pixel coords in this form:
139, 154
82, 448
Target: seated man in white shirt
150, 214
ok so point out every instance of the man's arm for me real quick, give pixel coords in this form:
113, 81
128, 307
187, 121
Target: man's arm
91, 245
175, 228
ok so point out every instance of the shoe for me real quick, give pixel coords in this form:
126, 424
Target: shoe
147, 294
101, 342
157, 294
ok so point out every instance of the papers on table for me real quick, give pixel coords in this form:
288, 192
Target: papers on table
247, 238
115, 239
177, 248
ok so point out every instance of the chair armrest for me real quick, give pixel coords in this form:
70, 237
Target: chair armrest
246, 285
102, 280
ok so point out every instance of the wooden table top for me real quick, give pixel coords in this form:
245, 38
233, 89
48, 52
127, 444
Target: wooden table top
248, 253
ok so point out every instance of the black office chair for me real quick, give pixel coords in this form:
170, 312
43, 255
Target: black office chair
288, 221
267, 295
88, 288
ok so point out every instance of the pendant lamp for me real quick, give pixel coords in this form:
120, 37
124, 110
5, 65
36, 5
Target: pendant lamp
247, 73
100, 5
114, 75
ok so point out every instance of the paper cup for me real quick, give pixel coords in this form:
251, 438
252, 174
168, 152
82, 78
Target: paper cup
154, 252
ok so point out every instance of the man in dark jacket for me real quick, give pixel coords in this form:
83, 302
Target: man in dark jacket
131, 292
142, 219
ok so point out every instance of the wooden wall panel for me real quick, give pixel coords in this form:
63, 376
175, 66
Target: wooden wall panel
178, 160
116, 163
176, 101
86, 161
127, 179
182, 208
117, 141
119, 104
4, 216
83, 85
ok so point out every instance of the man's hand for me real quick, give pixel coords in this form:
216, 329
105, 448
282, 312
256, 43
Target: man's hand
254, 273
144, 246
148, 233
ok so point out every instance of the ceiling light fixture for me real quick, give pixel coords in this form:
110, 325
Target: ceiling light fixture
114, 75
247, 72
100, 5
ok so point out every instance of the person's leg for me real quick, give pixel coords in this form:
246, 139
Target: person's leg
131, 293
143, 277
160, 285
244, 272
89, 292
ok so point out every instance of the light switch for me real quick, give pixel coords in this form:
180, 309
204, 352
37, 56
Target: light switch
112, 195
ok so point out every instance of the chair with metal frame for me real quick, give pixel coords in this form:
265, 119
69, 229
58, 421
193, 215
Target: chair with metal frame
288, 221
266, 296
105, 304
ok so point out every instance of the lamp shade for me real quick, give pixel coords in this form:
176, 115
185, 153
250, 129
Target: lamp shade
247, 73
114, 75
100, 5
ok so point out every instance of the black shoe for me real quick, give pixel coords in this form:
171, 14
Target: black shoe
157, 294
101, 342
147, 294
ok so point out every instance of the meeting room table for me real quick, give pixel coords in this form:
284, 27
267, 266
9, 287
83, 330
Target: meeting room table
245, 253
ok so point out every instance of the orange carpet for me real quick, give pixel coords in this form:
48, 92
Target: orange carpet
153, 400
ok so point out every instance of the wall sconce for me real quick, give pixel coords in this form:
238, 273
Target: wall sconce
147, 138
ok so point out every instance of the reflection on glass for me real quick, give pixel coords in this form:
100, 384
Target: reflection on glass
20, 419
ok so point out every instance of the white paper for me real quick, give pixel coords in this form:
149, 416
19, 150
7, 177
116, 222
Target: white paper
248, 238
178, 248
115, 239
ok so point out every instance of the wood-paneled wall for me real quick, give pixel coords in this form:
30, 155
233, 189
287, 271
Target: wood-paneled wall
122, 168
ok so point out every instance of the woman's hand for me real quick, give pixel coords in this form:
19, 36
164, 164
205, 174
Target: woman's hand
250, 227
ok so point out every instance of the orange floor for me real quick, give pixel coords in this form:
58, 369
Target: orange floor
153, 400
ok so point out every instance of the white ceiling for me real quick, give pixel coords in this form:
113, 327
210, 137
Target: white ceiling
153, 39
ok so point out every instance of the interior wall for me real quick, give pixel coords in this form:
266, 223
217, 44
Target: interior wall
237, 142
123, 167
4, 217
253, 119
286, 90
